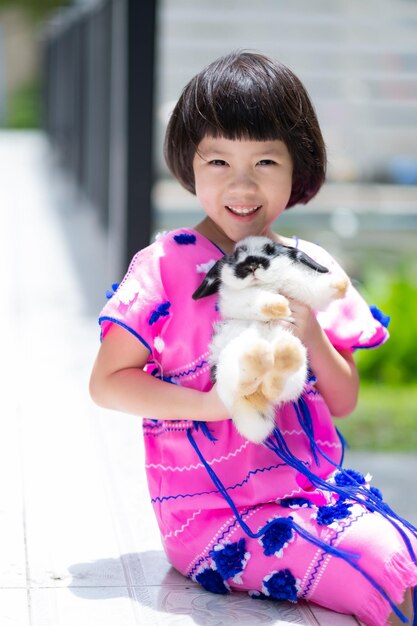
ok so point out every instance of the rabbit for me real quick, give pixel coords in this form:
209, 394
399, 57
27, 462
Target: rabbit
256, 361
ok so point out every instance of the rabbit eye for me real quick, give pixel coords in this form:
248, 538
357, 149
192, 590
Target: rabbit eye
269, 249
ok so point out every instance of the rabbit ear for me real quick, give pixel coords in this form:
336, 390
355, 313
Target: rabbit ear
211, 282
302, 257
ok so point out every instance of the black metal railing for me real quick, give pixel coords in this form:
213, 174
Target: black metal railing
98, 111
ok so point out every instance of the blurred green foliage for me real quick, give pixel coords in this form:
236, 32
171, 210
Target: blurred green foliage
24, 107
386, 416
38, 9
384, 420
394, 363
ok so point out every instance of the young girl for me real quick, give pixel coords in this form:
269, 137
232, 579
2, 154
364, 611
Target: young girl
282, 519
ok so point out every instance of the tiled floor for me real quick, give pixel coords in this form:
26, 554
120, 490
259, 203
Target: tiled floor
78, 542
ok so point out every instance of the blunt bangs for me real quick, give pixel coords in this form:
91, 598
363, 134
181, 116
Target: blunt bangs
247, 96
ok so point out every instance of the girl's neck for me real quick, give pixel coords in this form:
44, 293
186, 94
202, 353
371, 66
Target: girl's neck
211, 231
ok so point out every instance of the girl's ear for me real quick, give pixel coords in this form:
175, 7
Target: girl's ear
302, 257
211, 282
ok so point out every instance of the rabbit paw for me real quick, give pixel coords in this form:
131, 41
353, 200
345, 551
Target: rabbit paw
289, 357
276, 309
253, 367
340, 287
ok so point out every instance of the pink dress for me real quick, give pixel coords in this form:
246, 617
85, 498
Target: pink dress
280, 520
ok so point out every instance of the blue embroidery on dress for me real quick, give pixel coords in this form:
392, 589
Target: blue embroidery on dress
330, 513
376, 492
295, 502
277, 444
212, 581
281, 586
277, 536
230, 559
224, 533
110, 292
378, 315
193, 371
160, 311
185, 239
322, 557
349, 477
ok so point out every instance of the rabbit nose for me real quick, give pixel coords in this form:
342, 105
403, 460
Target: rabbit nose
250, 265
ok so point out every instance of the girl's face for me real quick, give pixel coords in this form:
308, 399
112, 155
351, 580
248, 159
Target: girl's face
243, 186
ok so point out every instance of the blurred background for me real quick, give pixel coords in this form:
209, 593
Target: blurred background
90, 85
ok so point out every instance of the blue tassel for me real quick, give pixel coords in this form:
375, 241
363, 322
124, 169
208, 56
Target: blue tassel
205, 430
378, 315
356, 492
415, 606
372, 498
304, 417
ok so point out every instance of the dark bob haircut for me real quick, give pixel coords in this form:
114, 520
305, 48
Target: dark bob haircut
246, 95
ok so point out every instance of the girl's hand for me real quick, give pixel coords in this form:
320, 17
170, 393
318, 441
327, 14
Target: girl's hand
214, 407
335, 371
304, 324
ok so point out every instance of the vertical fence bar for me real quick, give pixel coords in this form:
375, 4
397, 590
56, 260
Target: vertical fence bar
141, 22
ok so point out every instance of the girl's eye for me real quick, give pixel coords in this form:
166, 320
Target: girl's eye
266, 162
217, 162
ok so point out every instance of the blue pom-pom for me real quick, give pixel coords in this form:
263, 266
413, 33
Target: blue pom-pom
160, 311
185, 239
380, 316
110, 292
292, 502
349, 477
281, 586
212, 581
377, 493
277, 534
328, 514
229, 559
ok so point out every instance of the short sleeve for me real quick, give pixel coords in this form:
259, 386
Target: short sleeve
139, 303
349, 323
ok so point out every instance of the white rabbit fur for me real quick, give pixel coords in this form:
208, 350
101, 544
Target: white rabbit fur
258, 362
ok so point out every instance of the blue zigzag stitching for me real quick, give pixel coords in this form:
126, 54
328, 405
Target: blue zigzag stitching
203, 493
284, 453
323, 555
187, 372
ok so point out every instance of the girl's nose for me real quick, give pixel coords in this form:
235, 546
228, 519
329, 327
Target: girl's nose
242, 181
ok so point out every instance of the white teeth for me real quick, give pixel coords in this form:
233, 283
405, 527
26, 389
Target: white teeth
246, 211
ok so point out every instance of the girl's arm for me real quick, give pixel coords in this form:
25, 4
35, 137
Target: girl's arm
336, 372
118, 382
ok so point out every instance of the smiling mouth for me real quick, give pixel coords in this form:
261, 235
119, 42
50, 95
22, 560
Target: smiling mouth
243, 210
